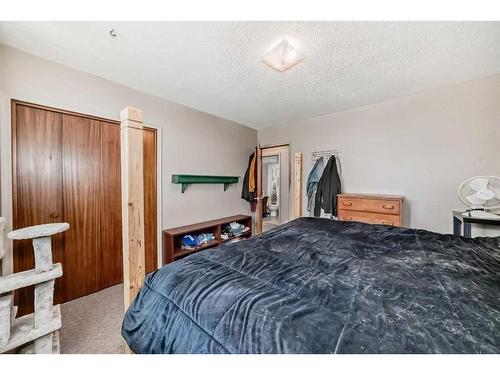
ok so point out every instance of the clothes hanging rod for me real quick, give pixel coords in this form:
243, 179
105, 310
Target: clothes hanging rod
315, 155
333, 151
326, 153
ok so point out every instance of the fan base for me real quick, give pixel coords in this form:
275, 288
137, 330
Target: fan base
481, 214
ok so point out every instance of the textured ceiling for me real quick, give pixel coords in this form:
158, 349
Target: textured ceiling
215, 66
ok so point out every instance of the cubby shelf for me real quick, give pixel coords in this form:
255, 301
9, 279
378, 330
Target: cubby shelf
172, 238
188, 179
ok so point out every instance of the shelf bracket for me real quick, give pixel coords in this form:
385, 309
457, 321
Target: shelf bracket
226, 186
184, 187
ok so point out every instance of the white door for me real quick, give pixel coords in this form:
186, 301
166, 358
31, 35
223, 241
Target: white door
275, 186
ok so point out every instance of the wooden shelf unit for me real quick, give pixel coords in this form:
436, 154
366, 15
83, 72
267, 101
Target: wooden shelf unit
172, 248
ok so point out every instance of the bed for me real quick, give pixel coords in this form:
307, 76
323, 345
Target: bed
323, 286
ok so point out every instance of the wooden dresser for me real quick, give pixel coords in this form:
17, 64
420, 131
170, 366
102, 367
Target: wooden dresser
371, 208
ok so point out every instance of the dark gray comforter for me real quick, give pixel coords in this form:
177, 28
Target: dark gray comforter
321, 286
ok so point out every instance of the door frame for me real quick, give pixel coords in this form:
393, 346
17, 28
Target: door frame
259, 210
157, 129
159, 217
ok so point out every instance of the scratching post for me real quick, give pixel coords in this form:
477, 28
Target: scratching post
42, 325
132, 202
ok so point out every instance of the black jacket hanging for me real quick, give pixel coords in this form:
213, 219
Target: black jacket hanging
328, 187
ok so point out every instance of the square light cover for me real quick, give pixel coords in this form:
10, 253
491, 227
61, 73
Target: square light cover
282, 57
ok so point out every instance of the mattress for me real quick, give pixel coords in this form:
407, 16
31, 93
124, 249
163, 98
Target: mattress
323, 286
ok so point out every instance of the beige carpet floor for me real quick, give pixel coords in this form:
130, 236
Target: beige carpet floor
92, 324
270, 223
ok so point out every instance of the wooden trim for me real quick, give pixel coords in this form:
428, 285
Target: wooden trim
132, 175
15, 102
277, 151
63, 111
275, 146
159, 220
159, 211
297, 203
3, 221
259, 209
13, 150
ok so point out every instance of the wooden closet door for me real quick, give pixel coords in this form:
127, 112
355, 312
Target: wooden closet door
111, 218
37, 190
81, 157
66, 168
150, 201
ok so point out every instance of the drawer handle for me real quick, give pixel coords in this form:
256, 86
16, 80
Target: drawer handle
388, 206
387, 223
348, 218
347, 203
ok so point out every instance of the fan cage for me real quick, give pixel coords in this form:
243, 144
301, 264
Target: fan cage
493, 184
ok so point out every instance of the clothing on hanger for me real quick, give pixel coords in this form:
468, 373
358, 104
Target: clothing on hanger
246, 194
251, 181
329, 186
312, 181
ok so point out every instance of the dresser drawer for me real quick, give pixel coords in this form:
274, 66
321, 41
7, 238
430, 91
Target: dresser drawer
369, 217
370, 205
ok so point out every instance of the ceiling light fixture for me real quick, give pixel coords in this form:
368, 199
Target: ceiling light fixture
282, 57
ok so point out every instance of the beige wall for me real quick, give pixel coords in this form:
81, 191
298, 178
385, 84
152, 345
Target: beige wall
192, 141
421, 146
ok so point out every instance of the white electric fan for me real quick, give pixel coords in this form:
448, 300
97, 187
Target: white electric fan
482, 195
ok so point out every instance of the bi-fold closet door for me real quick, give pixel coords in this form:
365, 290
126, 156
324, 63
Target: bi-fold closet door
66, 168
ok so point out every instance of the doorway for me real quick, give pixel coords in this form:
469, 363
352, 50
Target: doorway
275, 186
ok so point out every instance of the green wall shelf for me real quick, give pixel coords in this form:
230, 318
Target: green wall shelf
188, 179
